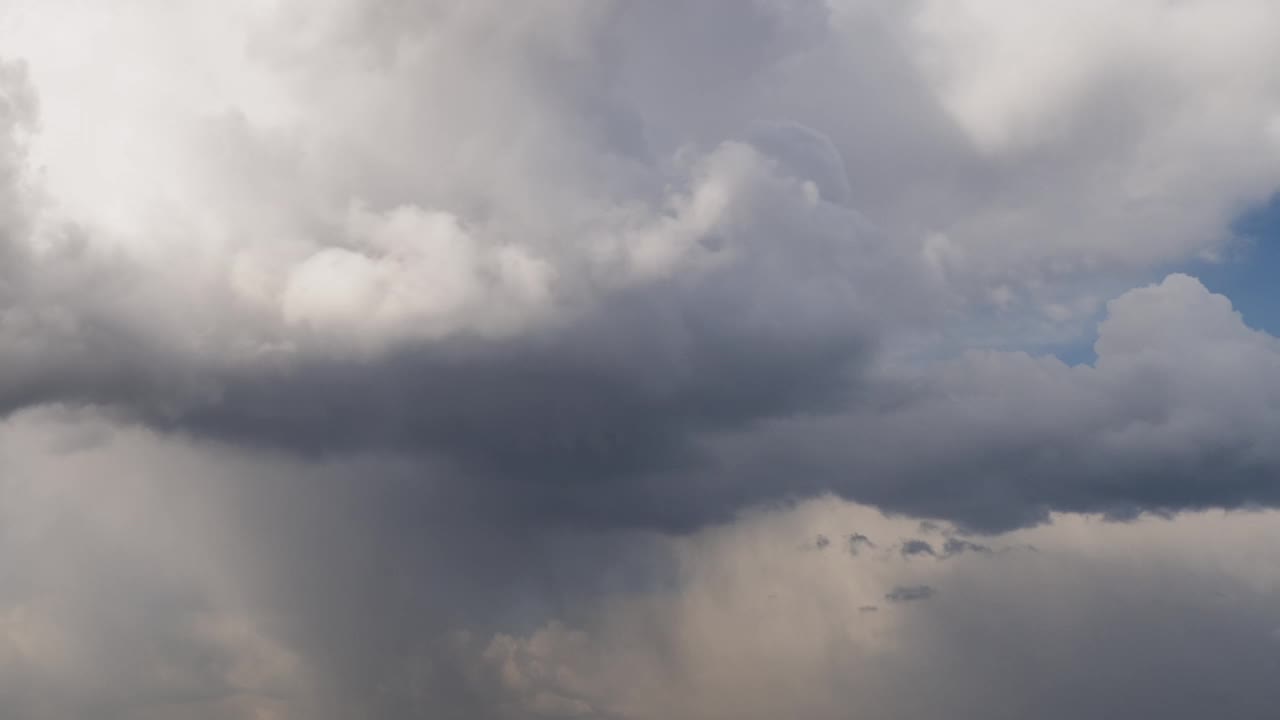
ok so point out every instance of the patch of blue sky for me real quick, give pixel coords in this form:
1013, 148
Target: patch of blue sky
1249, 272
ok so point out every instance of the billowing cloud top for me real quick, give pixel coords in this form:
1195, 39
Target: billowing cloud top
623, 267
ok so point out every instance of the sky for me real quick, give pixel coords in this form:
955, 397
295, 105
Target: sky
628, 359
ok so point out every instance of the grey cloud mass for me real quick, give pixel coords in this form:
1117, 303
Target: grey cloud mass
381, 358
617, 278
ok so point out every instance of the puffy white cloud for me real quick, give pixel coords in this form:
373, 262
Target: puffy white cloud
414, 274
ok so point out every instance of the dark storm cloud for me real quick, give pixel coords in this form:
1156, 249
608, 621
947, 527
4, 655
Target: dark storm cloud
563, 425
603, 402
1177, 414
636, 338
559, 423
740, 358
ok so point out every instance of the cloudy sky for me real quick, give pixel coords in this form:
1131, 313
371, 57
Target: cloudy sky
639, 359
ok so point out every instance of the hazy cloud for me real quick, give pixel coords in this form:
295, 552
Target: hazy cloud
917, 547
960, 546
910, 593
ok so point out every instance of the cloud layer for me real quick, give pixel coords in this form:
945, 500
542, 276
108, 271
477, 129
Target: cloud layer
194, 583
1082, 617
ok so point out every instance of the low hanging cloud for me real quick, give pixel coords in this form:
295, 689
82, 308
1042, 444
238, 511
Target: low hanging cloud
1177, 413
193, 583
